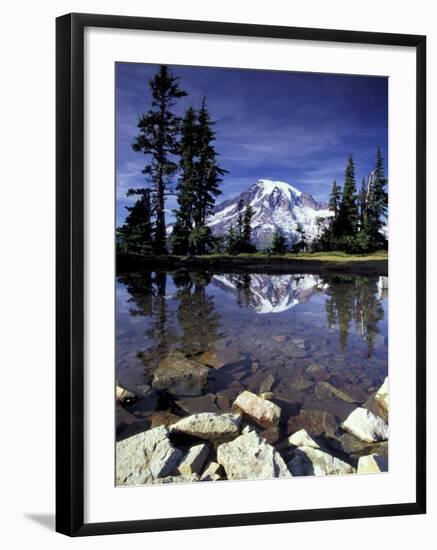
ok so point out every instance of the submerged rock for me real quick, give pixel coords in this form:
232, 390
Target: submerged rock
217, 359
261, 410
125, 395
372, 464
366, 426
324, 390
180, 376
309, 461
303, 439
209, 425
194, 460
266, 384
194, 405
267, 395
250, 457
315, 422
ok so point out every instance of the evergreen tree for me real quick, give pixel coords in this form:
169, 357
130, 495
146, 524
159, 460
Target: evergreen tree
347, 220
301, 243
334, 199
279, 244
362, 205
135, 235
247, 230
377, 203
186, 186
231, 241
208, 174
158, 138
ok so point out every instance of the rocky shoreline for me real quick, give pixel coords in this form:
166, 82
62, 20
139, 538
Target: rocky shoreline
257, 437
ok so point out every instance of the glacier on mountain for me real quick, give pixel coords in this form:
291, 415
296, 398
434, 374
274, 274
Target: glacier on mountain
275, 204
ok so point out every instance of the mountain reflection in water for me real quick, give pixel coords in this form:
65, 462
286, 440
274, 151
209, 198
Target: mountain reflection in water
194, 311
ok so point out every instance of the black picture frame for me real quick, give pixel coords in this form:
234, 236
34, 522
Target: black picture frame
70, 273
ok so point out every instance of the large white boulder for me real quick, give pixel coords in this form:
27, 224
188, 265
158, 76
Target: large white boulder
162, 457
309, 461
366, 426
209, 425
130, 459
251, 457
263, 411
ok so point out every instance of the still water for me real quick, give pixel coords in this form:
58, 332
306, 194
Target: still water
277, 333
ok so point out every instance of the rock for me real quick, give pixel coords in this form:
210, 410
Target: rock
300, 342
382, 395
161, 456
372, 404
324, 390
366, 426
309, 461
303, 439
194, 460
280, 338
123, 394
223, 403
318, 373
262, 411
194, 405
180, 376
339, 409
130, 460
302, 384
213, 472
209, 426
272, 434
354, 447
219, 358
372, 464
267, 383
250, 457
267, 395
315, 422
163, 418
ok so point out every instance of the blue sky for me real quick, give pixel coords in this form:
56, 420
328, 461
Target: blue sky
293, 127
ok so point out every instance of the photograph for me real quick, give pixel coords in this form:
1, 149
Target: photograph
251, 288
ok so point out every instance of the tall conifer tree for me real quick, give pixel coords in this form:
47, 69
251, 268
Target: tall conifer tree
158, 139
135, 235
347, 220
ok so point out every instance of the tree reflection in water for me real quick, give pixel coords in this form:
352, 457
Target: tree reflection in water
354, 299
198, 319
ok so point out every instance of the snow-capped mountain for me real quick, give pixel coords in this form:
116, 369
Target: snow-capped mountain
275, 204
271, 293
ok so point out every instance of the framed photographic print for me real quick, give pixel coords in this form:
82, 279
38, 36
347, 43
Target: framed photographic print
240, 274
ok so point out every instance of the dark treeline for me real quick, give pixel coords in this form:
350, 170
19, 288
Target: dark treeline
182, 161
358, 217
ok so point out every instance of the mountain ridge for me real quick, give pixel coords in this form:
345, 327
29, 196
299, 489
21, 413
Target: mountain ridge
276, 204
